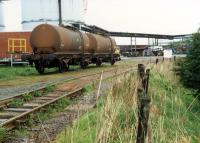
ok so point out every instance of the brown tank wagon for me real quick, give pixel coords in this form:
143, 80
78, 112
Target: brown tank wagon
55, 46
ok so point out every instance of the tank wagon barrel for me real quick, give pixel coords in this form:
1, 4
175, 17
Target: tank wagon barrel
55, 46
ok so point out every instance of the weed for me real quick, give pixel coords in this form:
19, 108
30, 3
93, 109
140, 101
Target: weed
30, 119
50, 88
27, 97
21, 132
2, 134
61, 104
37, 94
17, 103
55, 108
88, 88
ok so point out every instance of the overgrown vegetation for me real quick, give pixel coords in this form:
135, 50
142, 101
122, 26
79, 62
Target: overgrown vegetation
27, 97
112, 120
50, 88
88, 88
2, 134
37, 93
174, 114
174, 111
18, 102
60, 105
43, 115
189, 68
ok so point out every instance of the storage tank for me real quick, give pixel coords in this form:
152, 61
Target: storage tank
36, 12
2, 26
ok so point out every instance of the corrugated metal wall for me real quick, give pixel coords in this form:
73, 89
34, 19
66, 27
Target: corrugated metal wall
4, 36
1, 17
36, 12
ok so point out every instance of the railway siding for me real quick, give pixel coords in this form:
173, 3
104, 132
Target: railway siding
12, 116
9, 116
9, 93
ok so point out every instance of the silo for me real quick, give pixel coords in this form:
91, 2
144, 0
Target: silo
46, 11
2, 24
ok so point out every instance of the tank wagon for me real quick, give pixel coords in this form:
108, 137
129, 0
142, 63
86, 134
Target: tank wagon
55, 46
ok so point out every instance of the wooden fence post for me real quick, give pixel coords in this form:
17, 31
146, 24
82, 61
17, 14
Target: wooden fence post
143, 117
147, 80
141, 70
157, 61
143, 103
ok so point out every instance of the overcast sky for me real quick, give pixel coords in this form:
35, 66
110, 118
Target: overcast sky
147, 16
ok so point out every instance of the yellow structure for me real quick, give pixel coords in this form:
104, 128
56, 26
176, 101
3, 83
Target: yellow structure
16, 45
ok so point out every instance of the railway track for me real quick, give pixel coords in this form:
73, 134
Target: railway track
11, 117
8, 99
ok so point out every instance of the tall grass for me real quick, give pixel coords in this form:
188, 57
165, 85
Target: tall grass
174, 113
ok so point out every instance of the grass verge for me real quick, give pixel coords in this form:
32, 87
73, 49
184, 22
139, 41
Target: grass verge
174, 113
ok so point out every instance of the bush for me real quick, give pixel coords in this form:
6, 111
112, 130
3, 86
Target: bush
189, 68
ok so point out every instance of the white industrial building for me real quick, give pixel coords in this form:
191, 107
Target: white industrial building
2, 24
35, 12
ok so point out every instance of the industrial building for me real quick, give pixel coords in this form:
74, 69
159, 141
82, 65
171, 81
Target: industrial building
133, 50
2, 24
47, 11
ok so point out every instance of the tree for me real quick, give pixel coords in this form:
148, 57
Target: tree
189, 68
181, 47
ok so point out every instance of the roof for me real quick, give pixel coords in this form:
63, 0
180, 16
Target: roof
138, 47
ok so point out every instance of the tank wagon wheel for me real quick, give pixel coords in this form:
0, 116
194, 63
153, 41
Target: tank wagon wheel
61, 66
66, 67
98, 63
83, 64
39, 67
112, 62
